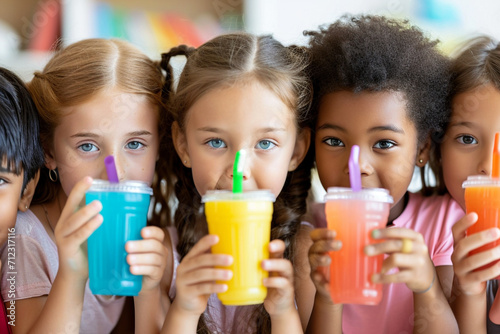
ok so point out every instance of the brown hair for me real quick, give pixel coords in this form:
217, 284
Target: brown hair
226, 60
80, 71
477, 63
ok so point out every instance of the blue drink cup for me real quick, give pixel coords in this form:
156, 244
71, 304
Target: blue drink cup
124, 210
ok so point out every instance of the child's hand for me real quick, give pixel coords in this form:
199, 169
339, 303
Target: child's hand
323, 242
73, 228
196, 276
472, 282
280, 293
415, 266
148, 257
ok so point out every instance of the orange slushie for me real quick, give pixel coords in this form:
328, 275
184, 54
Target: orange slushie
243, 224
482, 196
353, 215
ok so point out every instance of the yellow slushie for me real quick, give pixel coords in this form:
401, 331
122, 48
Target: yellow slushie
243, 224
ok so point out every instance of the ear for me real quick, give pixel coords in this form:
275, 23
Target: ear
50, 162
423, 153
29, 191
301, 147
180, 144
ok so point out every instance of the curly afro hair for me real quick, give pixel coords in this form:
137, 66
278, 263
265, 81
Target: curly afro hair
373, 53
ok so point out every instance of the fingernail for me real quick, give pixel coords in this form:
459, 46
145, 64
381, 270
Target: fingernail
375, 278
265, 264
375, 234
369, 250
494, 233
97, 204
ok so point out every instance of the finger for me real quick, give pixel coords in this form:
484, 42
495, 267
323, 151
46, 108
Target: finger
78, 219
281, 267
316, 260
322, 234
397, 233
464, 246
204, 261
75, 197
276, 249
153, 232
145, 246
404, 261
484, 275
79, 236
205, 275
153, 272
394, 246
202, 246
208, 288
276, 282
325, 246
402, 276
473, 262
459, 229
150, 259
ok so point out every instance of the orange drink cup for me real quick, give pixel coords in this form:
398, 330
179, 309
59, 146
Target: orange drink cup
243, 223
482, 196
353, 215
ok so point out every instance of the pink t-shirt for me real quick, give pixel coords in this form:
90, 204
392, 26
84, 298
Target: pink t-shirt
433, 217
35, 267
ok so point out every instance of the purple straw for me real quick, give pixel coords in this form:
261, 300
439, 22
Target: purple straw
354, 172
109, 162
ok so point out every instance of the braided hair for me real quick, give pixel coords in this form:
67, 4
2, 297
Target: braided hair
224, 60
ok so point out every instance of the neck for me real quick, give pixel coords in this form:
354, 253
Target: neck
398, 209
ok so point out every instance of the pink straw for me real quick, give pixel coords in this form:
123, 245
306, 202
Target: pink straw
109, 162
354, 172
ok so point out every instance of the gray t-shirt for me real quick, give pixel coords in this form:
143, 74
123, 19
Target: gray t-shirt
35, 265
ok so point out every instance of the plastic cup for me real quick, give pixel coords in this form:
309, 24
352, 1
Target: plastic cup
124, 209
482, 196
353, 215
243, 223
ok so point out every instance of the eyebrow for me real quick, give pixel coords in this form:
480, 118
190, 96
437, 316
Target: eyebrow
263, 130
466, 124
94, 135
374, 129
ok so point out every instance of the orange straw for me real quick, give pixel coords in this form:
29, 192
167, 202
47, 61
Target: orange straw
495, 170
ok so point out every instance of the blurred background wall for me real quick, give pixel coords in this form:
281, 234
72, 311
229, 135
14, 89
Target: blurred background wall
30, 30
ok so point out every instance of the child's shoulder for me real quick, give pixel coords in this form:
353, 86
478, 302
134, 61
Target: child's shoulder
435, 210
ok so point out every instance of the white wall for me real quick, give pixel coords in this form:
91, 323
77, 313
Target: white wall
448, 20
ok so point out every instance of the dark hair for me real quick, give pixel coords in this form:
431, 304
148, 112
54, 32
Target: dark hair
225, 60
477, 63
20, 144
374, 53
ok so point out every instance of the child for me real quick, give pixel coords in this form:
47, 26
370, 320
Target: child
382, 85
95, 98
239, 91
21, 158
466, 150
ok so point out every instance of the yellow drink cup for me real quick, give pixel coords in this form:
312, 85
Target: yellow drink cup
243, 224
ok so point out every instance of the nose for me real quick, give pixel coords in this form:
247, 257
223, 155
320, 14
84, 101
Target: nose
119, 165
365, 167
485, 161
247, 170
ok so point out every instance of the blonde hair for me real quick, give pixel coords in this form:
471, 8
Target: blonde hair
77, 73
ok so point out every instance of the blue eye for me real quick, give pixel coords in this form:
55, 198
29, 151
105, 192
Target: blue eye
265, 144
384, 144
216, 143
333, 142
87, 147
135, 145
467, 140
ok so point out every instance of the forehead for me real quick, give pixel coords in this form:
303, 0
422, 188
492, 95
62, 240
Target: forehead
364, 108
479, 104
248, 101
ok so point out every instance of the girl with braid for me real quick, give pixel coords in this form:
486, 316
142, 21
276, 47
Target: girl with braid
239, 91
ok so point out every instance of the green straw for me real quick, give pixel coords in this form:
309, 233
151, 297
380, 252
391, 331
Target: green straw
239, 165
